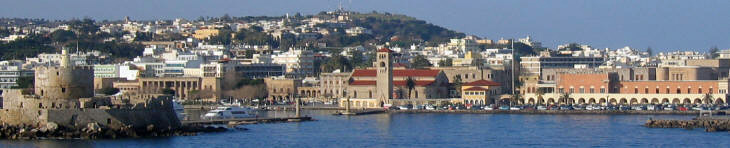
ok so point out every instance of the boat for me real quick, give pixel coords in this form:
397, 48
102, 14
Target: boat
430, 107
229, 112
514, 108
504, 107
541, 107
403, 107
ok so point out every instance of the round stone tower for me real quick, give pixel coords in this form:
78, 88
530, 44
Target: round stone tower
65, 81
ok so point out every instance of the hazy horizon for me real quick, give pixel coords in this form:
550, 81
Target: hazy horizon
665, 25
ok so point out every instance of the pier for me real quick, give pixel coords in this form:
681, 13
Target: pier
237, 121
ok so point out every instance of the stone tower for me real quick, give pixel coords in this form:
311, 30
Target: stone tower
384, 68
65, 81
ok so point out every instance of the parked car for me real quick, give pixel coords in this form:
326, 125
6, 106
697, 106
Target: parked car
566, 107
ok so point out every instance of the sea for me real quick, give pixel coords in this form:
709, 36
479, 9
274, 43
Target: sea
428, 130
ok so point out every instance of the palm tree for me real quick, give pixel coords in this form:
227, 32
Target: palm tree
539, 92
514, 98
707, 98
410, 83
566, 98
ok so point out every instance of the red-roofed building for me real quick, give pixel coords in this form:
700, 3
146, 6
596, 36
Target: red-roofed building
428, 83
479, 92
383, 85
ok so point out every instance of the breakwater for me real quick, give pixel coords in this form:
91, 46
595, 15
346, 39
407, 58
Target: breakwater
709, 124
98, 131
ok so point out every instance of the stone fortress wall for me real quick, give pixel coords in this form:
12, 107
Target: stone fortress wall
64, 95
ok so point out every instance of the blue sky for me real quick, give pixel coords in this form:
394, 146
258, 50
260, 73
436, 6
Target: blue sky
665, 25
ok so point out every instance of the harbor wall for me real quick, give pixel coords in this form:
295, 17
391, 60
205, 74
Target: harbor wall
113, 118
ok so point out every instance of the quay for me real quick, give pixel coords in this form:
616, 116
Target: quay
360, 112
246, 120
538, 112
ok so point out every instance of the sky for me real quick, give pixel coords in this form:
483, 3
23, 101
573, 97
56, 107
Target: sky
663, 25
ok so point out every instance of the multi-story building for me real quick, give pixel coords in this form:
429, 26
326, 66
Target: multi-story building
298, 62
333, 85
11, 71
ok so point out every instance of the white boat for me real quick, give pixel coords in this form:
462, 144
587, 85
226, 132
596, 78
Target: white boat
541, 107
430, 107
514, 108
589, 107
229, 112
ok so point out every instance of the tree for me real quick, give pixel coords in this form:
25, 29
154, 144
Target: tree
446, 63
168, 91
565, 97
649, 51
62, 35
713, 52
25, 82
457, 84
84, 26
708, 98
109, 90
420, 62
540, 93
410, 83
336, 62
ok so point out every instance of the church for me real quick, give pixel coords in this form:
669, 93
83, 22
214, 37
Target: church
383, 85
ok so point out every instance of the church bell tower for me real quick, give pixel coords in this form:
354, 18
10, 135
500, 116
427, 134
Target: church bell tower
384, 84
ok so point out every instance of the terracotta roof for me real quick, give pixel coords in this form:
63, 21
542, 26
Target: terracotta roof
398, 73
482, 83
384, 50
396, 83
476, 89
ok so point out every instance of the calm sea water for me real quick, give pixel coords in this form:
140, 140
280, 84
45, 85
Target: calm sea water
430, 130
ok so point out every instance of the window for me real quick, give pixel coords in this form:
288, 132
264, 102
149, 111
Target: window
689, 90
561, 90
571, 90
582, 90
636, 90
646, 90
592, 90
710, 91
603, 90
679, 91
699, 90
657, 90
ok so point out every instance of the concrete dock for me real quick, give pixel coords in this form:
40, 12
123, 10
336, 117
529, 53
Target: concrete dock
246, 120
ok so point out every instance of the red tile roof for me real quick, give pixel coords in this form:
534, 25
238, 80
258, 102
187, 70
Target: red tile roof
475, 89
398, 73
396, 83
384, 50
482, 83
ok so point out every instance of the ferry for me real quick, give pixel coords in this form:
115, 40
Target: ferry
229, 112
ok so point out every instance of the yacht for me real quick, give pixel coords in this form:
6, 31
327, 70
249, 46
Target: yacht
228, 112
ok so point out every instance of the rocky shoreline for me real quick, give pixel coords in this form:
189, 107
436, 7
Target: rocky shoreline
95, 131
710, 125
